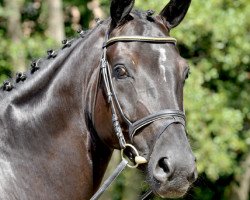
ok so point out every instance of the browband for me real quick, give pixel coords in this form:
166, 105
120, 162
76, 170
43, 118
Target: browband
140, 39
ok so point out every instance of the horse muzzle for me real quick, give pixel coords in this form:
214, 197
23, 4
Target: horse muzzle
172, 167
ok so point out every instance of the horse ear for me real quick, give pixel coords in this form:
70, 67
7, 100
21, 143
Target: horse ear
175, 11
119, 9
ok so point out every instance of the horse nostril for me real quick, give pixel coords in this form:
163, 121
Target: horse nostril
193, 176
164, 164
163, 170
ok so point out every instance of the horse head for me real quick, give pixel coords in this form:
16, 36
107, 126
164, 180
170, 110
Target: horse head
147, 76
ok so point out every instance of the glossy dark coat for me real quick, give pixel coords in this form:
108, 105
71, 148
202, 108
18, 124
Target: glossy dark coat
56, 135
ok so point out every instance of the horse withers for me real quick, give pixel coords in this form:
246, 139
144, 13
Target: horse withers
58, 126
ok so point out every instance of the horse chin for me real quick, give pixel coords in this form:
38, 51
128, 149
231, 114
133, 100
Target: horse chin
171, 194
176, 188
168, 190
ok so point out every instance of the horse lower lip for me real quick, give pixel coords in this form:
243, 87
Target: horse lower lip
170, 189
169, 193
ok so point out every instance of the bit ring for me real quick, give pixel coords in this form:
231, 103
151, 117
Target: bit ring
136, 152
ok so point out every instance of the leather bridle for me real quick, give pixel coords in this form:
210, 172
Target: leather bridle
172, 116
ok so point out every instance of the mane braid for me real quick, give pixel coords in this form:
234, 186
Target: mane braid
83, 35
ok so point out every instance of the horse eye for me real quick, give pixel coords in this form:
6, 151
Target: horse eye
120, 72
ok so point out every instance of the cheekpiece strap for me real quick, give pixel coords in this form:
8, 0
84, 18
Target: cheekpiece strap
140, 39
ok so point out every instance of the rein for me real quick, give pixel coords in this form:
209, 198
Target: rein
173, 116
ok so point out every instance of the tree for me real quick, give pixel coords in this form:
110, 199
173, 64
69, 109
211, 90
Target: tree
55, 20
13, 10
98, 13
241, 190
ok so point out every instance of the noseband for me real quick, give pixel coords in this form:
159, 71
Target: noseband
172, 116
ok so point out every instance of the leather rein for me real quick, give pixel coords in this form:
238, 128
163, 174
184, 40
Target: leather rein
172, 116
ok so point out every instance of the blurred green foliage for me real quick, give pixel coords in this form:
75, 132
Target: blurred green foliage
215, 38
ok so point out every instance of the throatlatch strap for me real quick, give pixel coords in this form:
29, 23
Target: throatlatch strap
140, 39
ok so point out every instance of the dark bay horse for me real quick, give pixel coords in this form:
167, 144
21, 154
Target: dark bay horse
56, 130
